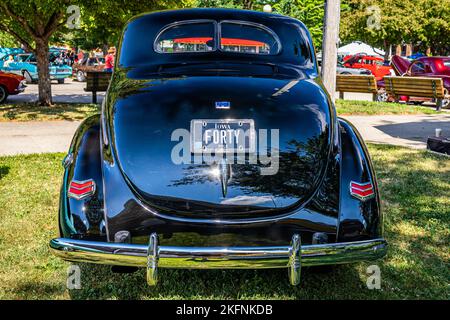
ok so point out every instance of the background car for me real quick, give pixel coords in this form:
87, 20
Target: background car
372, 63
341, 69
10, 84
8, 51
79, 69
435, 67
25, 64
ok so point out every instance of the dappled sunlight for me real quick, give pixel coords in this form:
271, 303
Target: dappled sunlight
59, 111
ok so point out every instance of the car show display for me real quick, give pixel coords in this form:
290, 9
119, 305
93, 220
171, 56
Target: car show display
24, 64
372, 63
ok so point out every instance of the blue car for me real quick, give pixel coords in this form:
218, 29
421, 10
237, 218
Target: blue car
8, 51
25, 65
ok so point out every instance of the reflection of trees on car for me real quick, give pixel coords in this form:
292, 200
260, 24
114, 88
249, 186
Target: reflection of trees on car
299, 164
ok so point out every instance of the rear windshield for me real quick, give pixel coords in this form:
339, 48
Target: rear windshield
247, 38
231, 36
186, 37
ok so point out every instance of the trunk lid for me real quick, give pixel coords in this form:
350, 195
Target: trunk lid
145, 118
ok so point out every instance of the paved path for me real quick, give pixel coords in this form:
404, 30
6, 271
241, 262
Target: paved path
409, 130
36, 137
55, 136
68, 92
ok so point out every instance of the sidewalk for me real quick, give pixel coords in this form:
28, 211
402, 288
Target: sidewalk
402, 130
55, 136
36, 137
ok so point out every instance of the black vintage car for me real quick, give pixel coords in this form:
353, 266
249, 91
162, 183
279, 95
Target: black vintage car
218, 147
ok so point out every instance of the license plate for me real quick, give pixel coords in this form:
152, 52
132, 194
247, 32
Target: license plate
223, 136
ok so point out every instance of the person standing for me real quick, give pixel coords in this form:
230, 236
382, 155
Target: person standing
7, 62
109, 60
80, 56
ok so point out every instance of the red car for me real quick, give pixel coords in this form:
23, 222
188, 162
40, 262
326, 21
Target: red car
10, 84
436, 67
374, 64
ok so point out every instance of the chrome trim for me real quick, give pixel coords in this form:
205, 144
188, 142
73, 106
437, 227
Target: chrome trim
152, 260
295, 262
68, 160
152, 256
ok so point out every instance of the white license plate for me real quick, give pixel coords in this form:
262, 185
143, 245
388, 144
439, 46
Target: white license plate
223, 136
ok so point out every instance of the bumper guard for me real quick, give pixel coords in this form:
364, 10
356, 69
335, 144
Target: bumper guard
292, 256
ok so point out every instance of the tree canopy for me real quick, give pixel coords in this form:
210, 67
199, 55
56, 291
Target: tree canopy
421, 22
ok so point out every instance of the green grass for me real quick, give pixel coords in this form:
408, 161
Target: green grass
415, 187
59, 111
354, 107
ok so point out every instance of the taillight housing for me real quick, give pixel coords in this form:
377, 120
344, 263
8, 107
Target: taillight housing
81, 189
362, 191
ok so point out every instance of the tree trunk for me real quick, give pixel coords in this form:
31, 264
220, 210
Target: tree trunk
44, 84
247, 4
387, 50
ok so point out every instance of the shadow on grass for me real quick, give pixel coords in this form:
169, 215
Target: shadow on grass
98, 282
4, 170
59, 111
38, 290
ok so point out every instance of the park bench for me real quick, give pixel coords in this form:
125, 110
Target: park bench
422, 87
97, 81
356, 83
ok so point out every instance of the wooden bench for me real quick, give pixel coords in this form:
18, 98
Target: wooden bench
97, 81
356, 83
422, 87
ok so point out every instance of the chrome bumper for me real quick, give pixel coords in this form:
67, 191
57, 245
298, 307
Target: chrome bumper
292, 256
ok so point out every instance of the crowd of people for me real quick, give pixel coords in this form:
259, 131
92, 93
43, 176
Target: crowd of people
89, 58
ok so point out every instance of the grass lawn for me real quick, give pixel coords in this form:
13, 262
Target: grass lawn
74, 111
33, 112
355, 107
415, 187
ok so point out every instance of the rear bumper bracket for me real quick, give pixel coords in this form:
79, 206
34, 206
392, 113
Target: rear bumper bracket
153, 256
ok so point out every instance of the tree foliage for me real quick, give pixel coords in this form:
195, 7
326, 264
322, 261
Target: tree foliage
7, 40
310, 12
421, 22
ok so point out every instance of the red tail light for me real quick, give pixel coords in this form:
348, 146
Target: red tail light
362, 191
81, 189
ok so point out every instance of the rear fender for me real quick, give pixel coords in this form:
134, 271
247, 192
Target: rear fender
83, 218
358, 220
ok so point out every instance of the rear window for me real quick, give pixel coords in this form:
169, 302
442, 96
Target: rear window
186, 37
247, 38
200, 36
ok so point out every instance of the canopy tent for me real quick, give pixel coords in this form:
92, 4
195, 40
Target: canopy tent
359, 47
